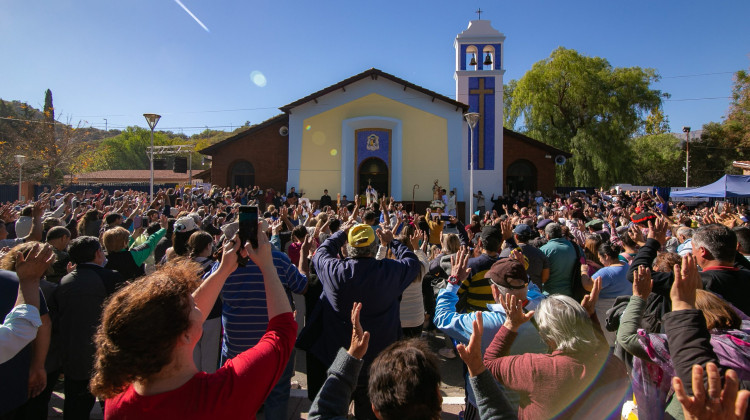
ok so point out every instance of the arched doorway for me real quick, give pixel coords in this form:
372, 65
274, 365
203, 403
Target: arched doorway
521, 176
375, 172
242, 174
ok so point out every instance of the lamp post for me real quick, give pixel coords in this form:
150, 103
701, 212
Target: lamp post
686, 130
152, 120
20, 159
472, 118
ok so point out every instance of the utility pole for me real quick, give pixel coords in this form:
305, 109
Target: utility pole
686, 130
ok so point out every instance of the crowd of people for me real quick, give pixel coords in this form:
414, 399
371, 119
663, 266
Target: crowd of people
572, 306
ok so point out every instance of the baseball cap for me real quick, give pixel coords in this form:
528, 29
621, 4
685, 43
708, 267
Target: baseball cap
595, 223
506, 269
543, 223
523, 230
361, 235
490, 232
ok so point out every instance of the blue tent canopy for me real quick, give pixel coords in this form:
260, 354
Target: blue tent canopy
726, 187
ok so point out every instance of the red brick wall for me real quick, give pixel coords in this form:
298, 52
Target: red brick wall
515, 149
266, 149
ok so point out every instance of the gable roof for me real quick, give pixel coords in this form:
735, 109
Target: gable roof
252, 129
536, 143
372, 73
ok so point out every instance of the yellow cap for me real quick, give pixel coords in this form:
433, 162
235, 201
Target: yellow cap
361, 235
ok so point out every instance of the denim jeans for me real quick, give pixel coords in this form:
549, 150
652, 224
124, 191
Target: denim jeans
277, 403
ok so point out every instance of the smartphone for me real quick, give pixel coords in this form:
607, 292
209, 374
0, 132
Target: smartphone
248, 221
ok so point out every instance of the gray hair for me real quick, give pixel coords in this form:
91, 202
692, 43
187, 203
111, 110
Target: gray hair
564, 321
553, 231
362, 251
685, 231
718, 240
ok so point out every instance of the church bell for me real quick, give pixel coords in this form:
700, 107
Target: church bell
473, 61
488, 60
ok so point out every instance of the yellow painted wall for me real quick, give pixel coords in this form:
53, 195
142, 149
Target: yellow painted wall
425, 147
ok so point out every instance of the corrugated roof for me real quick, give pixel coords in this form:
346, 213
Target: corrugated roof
373, 74
132, 175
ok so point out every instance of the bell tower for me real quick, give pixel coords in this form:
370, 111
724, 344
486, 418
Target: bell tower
479, 83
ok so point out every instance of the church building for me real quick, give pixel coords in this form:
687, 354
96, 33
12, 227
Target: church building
375, 128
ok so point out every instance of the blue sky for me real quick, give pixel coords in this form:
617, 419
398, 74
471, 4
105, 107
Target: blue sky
120, 59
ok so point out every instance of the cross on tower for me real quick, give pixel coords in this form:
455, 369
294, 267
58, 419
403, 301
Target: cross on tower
480, 141
479, 13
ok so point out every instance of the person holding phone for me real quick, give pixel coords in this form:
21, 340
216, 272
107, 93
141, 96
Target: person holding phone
154, 325
244, 314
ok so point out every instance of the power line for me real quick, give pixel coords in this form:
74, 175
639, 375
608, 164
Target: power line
697, 75
698, 99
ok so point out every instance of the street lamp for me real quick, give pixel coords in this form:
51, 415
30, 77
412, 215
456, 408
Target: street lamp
686, 130
472, 118
152, 120
20, 159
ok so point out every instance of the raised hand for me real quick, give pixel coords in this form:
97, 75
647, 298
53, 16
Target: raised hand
307, 244
35, 264
589, 301
718, 404
414, 239
472, 354
686, 282
658, 230
360, 338
459, 263
515, 316
506, 228
642, 283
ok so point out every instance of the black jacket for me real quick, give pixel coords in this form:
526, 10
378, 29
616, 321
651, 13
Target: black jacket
123, 262
79, 301
732, 284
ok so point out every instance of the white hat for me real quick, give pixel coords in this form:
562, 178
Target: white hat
185, 224
23, 226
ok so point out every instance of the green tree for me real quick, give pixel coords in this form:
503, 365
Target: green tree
509, 119
656, 122
585, 106
658, 160
722, 143
128, 150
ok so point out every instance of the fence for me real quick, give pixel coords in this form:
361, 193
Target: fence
9, 193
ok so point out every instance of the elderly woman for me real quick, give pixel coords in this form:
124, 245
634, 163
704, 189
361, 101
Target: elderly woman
144, 361
653, 369
577, 379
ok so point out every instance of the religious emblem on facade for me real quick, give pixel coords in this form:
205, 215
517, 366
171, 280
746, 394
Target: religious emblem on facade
373, 142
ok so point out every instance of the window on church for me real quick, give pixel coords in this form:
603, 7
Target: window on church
488, 58
242, 174
472, 58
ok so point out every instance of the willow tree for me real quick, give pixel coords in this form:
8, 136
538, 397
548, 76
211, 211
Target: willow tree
587, 107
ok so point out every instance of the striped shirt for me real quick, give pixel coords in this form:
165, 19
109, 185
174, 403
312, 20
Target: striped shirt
477, 287
244, 312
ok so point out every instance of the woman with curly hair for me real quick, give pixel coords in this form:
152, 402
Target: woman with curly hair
144, 362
